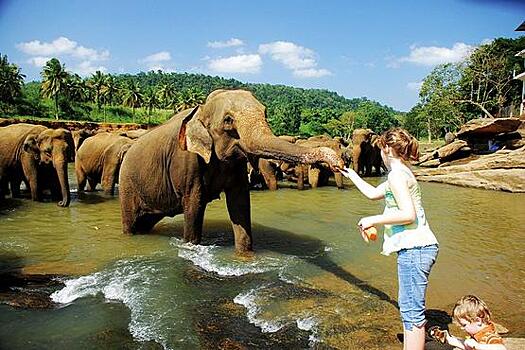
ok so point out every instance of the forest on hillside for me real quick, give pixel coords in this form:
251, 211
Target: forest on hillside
482, 85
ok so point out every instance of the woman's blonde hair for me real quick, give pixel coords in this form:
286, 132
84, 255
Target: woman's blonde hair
404, 145
469, 308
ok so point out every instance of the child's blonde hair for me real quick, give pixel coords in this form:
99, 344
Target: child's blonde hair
469, 308
403, 144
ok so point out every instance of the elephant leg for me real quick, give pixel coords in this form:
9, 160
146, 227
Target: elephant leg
109, 178
30, 169
268, 173
194, 208
129, 212
299, 171
339, 180
92, 184
238, 203
134, 219
313, 176
15, 187
81, 177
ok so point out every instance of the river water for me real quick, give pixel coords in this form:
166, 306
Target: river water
313, 282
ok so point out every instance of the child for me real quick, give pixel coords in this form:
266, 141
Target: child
473, 315
406, 229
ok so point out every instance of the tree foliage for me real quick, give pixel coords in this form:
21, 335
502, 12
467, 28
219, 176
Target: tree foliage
480, 86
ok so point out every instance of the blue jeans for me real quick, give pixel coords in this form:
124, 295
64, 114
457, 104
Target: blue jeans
413, 268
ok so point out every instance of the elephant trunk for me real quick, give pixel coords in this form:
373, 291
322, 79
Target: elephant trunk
61, 169
270, 146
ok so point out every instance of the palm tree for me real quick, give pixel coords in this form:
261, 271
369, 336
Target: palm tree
97, 85
132, 97
54, 82
166, 93
11, 80
150, 102
76, 88
111, 89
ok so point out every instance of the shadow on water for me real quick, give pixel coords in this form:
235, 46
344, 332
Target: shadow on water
283, 242
10, 204
22, 290
93, 197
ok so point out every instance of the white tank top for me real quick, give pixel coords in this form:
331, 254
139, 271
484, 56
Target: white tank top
416, 234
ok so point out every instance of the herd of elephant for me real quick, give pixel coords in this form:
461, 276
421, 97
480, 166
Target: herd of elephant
362, 152
180, 166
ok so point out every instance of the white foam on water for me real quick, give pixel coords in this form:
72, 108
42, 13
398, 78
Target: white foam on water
207, 258
124, 283
309, 324
249, 301
252, 301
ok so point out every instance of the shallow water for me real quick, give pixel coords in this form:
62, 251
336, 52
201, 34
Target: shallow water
312, 283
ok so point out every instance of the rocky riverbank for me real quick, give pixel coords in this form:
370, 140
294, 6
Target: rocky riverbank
485, 153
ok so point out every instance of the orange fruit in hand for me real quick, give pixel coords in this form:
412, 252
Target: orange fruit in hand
371, 233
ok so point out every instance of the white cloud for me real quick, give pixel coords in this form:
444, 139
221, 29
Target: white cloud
236, 64
415, 85
38, 61
301, 60
228, 43
433, 55
311, 73
158, 61
86, 68
157, 57
291, 55
62, 46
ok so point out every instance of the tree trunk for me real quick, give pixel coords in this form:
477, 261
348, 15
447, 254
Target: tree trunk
428, 130
56, 106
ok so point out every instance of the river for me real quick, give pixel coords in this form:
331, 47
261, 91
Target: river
313, 282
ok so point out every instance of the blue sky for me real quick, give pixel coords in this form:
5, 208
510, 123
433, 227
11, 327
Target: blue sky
377, 49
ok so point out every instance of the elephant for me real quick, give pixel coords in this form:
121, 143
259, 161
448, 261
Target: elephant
79, 136
185, 163
365, 152
98, 161
133, 134
39, 157
264, 174
318, 174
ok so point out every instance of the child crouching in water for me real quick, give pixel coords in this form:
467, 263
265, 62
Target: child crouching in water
473, 316
407, 231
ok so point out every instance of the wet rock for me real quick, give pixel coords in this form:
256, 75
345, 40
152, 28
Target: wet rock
503, 170
28, 291
487, 127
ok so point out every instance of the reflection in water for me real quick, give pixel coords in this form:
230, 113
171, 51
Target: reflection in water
312, 274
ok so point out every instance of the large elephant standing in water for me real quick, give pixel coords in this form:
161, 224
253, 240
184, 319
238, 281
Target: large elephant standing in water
187, 162
38, 156
98, 161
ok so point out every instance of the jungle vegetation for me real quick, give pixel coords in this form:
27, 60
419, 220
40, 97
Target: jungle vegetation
480, 86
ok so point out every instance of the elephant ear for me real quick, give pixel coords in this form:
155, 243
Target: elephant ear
194, 137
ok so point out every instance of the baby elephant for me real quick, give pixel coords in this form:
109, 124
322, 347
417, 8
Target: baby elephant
98, 161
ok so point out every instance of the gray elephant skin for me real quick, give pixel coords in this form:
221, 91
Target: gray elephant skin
39, 157
180, 166
98, 160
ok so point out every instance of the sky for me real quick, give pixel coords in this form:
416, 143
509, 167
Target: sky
381, 50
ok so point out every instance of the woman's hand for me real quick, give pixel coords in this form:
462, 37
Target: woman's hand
363, 224
470, 344
347, 172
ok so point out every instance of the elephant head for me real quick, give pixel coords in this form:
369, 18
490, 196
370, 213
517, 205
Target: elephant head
232, 124
54, 147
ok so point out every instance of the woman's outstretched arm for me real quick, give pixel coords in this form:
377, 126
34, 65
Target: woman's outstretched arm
368, 190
